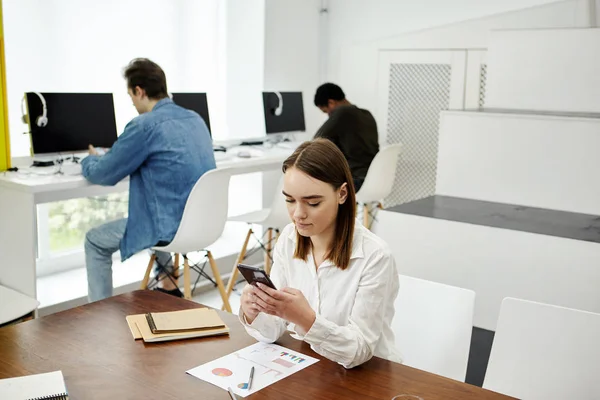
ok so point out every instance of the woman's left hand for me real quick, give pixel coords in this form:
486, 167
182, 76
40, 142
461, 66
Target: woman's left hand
288, 304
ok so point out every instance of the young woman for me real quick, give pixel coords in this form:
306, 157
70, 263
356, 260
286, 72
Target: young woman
336, 280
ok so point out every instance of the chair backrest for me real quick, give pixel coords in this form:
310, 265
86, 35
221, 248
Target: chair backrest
542, 351
433, 325
205, 213
278, 215
380, 177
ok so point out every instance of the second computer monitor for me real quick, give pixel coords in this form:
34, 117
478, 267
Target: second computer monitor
196, 102
74, 121
284, 112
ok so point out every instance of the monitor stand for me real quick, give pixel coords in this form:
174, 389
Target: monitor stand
280, 138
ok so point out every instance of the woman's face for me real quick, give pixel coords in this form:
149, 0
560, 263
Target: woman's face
312, 204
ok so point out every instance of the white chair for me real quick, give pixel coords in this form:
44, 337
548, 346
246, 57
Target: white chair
201, 225
433, 325
379, 181
542, 351
273, 219
15, 306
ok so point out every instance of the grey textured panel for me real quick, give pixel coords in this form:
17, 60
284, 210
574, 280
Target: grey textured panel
482, 81
417, 93
585, 227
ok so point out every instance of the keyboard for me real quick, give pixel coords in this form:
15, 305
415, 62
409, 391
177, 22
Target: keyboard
252, 143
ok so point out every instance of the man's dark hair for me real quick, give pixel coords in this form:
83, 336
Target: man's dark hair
147, 75
326, 92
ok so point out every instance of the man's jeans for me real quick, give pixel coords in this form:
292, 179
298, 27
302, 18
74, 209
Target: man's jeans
100, 244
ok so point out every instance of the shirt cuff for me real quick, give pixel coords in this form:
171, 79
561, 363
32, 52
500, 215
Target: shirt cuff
259, 322
320, 330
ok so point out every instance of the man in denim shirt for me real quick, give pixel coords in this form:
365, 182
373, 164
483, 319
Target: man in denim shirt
164, 151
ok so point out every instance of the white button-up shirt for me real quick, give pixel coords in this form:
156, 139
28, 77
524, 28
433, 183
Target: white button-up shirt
354, 307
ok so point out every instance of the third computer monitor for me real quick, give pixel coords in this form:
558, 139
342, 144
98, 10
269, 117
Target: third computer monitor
196, 102
284, 112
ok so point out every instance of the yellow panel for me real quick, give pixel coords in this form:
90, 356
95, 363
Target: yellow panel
4, 133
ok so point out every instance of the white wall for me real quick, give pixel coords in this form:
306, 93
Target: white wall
293, 38
530, 160
245, 51
82, 46
555, 70
358, 34
363, 21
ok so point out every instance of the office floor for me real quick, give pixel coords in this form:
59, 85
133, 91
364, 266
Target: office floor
212, 298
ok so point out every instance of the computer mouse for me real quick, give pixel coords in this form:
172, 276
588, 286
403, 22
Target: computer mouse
244, 154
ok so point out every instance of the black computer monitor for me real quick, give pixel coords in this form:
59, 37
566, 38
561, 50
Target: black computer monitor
75, 120
195, 102
290, 108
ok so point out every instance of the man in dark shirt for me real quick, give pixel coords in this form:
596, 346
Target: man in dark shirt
352, 129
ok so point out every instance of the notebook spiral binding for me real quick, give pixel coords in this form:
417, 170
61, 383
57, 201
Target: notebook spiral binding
60, 396
151, 323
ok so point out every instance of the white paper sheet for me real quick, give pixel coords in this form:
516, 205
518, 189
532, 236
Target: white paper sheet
271, 363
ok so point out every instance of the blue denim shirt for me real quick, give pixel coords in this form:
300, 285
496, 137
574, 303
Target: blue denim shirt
164, 152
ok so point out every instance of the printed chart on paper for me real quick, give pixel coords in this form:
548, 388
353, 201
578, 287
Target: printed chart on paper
271, 363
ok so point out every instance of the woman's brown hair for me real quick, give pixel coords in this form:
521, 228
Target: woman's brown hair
322, 160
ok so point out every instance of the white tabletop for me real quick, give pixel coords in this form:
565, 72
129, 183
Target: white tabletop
260, 159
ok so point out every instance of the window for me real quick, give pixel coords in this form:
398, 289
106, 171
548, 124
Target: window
62, 227
69, 220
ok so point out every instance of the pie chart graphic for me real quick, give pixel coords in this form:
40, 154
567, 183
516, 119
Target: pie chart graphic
222, 372
243, 385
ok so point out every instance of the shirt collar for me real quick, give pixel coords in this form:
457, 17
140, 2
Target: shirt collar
357, 243
161, 103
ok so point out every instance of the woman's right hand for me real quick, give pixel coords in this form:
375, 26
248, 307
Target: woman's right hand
248, 303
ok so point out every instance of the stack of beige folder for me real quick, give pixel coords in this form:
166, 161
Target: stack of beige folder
175, 325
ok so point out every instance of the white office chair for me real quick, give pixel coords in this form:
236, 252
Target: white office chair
433, 325
201, 225
542, 351
15, 306
379, 181
273, 219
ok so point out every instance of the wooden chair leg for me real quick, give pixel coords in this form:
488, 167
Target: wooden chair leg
366, 215
268, 251
144, 284
176, 269
217, 276
234, 271
187, 282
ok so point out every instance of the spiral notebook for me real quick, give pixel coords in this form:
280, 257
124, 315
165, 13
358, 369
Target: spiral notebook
48, 386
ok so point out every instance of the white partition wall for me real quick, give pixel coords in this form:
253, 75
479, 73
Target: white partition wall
538, 161
555, 70
495, 263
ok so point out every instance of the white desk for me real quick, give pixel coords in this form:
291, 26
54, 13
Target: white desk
20, 194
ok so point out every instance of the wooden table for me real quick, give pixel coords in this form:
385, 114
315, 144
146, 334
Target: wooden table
94, 348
